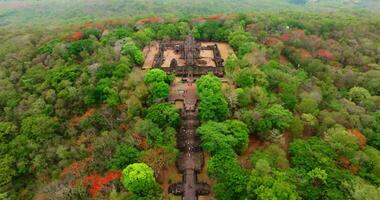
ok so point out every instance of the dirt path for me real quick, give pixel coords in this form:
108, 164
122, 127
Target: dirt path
168, 176
254, 143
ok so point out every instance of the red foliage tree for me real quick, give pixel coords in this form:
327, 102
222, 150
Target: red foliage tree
76, 120
362, 140
325, 54
141, 141
304, 55
215, 17
76, 168
271, 41
98, 183
74, 37
151, 19
292, 35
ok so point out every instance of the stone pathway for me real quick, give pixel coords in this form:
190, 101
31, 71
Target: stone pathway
190, 161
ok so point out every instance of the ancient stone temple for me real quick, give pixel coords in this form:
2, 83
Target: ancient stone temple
188, 57
188, 60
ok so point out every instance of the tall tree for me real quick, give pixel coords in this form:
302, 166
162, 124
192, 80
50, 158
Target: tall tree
139, 179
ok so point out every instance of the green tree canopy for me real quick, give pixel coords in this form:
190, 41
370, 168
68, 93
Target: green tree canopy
155, 76
273, 155
39, 127
265, 183
275, 117
139, 179
208, 84
231, 178
342, 142
359, 94
125, 154
164, 115
213, 107
244, 78
312, 153
134, 53
75, 48
238, 39
158, 82
229, 134
7, 170
87, 32
159, 91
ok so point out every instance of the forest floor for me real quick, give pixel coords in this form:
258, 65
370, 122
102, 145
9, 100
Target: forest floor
287, 139
254, 144
203, 177
168, 176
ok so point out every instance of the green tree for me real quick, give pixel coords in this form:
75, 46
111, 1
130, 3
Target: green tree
59, 74
312, 153
214, 137
231, 178
159, 91
7, 171
167, 31
207, 30
34, 78
91, 31
318, 176
75, 48
231, 64
308, 105
143, 37
155, 76
125, 154
139, 179
134, 53
265, 183
359, 95
229, 134
155, 136
48, 47
213, 107
121, 70
240, 131
163, 115
361, 190
274, 155
104, 91
238, 39
341, 141
7, 131
275, 117
244, 78
208, 84
39, 127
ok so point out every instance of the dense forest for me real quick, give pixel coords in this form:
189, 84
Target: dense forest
16, 12
298, 116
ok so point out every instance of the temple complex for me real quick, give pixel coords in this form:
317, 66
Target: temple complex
182, 58
187, 60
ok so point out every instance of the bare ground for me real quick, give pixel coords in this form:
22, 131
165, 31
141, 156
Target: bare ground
254, 144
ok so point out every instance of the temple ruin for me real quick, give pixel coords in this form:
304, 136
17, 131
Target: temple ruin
188, 60
182, 58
